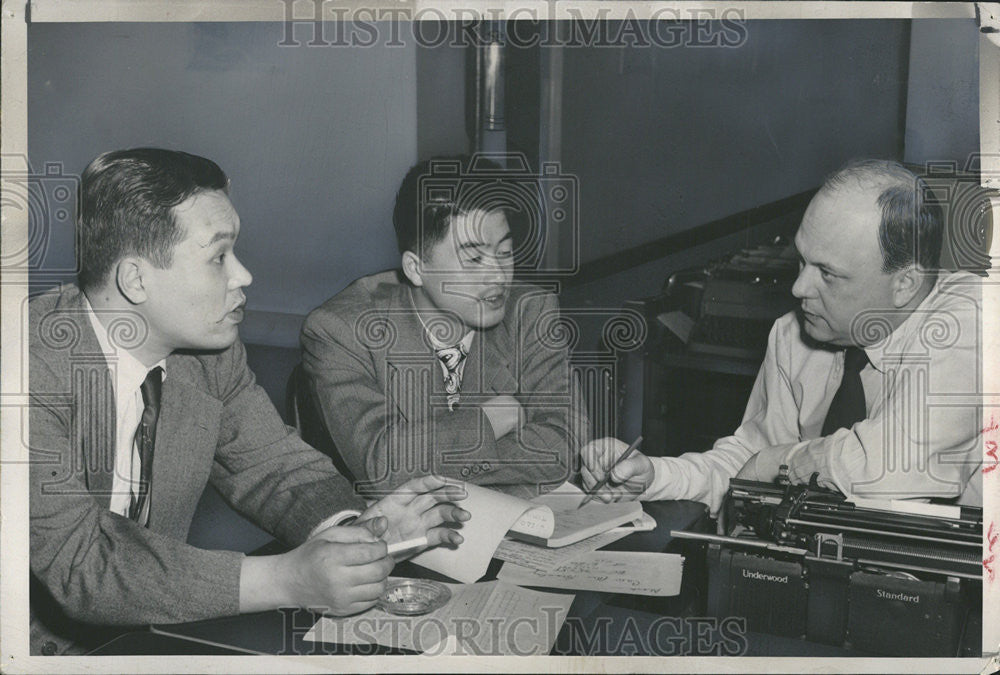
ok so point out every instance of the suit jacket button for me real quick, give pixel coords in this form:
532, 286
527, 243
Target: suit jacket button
475, 469
465, 472
49, 648
487, 466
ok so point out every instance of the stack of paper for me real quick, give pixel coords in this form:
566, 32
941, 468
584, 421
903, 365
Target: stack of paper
607, 571
543, 558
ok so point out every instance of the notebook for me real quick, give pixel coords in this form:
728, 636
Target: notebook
552, 520
558, 520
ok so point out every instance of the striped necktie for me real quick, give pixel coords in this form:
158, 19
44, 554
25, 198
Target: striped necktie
145, 438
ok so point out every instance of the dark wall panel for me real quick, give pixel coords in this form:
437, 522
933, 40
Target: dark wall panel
666, 138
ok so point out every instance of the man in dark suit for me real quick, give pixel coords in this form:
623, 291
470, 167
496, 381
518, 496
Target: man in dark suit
447, 366
140, 394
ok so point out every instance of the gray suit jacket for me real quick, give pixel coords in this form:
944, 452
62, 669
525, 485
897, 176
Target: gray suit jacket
215, 424
380, 391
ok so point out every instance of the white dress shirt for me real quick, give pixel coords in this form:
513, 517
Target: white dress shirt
128, 375
923, 394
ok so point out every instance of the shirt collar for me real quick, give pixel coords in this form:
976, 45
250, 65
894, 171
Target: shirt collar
129, 372
437, 344
880, 351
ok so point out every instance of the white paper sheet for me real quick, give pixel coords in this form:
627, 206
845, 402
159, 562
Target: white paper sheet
608, 571
549, 517
492, 618
493, 513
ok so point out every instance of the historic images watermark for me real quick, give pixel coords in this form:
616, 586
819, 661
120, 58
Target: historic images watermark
933, 384
48, 196
516, 636
83, 380
327, 23
566, 391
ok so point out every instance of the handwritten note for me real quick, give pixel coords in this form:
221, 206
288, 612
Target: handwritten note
991, 539
541, 558
493, 618
990, 439
990, 464
607, 571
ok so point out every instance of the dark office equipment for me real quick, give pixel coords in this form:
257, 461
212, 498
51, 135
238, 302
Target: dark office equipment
708, 330
739, 300
802, 561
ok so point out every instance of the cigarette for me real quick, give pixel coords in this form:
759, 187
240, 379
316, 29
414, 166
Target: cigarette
408, 545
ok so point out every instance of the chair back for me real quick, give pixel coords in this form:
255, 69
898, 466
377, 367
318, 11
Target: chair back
304, 412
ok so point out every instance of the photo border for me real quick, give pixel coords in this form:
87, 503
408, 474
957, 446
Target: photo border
13, 477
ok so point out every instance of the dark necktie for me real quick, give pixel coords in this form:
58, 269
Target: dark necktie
145, 438
848, 404
452, 358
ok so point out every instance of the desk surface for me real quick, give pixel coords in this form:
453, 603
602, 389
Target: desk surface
597, 624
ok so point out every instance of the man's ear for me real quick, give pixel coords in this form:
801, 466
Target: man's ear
413, 268
906, 284
128, 278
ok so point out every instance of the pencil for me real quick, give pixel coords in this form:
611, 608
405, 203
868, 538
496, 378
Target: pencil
604, 481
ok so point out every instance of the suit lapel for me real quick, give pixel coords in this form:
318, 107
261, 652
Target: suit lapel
90, 377
496, 352
472, 376
412, 370
188, 422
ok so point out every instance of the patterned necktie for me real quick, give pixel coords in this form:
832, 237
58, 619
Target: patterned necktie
452, 358
145, 438
848, 405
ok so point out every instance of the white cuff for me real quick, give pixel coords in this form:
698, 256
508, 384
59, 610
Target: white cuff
334, 520
659, 487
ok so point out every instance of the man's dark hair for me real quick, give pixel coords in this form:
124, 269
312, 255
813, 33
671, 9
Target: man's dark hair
438, 189
126, 206
911, 228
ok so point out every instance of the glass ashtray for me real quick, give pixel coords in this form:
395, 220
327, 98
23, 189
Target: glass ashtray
411, 597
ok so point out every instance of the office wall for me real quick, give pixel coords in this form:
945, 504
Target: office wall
315, 139
942, 111
663, 140
666, 138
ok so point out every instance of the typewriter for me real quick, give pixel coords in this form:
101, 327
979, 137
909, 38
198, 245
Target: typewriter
727, 307
879, 577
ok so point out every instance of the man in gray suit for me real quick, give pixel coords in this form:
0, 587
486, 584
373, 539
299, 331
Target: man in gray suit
447, 365
140, 394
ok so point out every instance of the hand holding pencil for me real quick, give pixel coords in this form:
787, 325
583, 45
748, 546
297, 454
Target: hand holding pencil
613, 471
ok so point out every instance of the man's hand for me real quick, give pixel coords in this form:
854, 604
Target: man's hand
341, 570
422, 506
628, 480
504, 414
